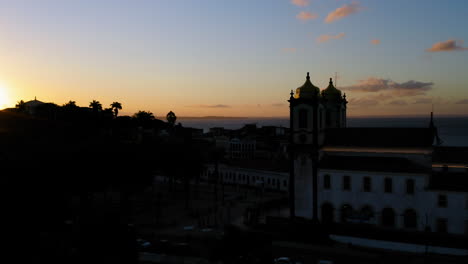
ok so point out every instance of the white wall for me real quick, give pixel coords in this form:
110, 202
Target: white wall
423, 201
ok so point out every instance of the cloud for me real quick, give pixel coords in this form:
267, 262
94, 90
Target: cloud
212, 106
289, 50
463, 101
423, 101
278, 105
375, 41
300, 2
363, 102
398, 102
325, 38
409, 88
304, 16
342, 12
449, 45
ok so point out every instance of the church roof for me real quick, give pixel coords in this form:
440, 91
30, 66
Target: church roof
379, 137
307, 90
368, 163
331, 92
449, 181
450, 155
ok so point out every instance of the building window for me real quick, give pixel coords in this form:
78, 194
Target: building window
326, 182
303, 118
442, 225
388, 217
388, 188
442, 201
409, 186
410, 218
366, 184
320, 118
346, 183
346, 212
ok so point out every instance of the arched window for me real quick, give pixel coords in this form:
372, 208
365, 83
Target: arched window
410, 218
388, 217
367, 213
346, 212
303, 118
327, 213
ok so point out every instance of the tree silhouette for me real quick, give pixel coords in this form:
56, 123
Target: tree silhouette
144, 116
21, 106
171, 118
116, 106
70, 105
95, 105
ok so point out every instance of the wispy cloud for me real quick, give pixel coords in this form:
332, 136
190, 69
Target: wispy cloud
325, 38
300, 2
449, 45
278, 105
375, 41
289, 50
362, 102
463, 101
343, 12
304, 16
398, 102
423, 101
212, 106
409, 88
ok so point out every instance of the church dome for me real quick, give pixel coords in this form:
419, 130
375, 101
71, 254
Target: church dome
331, 93
308, 90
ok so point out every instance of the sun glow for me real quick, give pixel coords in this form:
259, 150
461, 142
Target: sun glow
4, 99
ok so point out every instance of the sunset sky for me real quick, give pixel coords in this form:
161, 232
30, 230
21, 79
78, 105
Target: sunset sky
237, 57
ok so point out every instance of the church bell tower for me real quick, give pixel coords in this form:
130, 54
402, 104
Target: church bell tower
311, 113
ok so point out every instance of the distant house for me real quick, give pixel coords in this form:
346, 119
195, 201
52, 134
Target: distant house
31, 106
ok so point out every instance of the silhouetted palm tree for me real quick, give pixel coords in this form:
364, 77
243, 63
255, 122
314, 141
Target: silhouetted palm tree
21, 106
116, 106
171, 118
95, 105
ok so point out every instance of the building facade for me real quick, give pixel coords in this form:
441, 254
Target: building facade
386, 177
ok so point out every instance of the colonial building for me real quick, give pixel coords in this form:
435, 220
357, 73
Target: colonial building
386, 177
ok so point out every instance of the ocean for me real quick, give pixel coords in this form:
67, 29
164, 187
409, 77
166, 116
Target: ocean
452, 130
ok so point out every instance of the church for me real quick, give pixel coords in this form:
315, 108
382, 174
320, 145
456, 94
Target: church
391, 178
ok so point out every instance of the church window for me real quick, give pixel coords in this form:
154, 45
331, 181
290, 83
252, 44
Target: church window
409, 218
326, 181
320, 118
388, 217
442, 225
409, 186
442, 200
367, 185
388, 185
346, 183
303, 118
